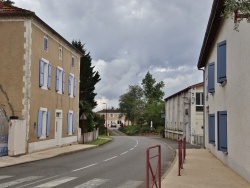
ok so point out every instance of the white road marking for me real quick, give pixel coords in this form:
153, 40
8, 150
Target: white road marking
3, 177
18, 181
92, 183
37, 181
84, 167
131, 149
129, 184
124, 153
110, 158
57, 182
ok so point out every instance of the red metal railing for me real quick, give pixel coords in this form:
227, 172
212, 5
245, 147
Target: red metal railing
181, 153
156, 173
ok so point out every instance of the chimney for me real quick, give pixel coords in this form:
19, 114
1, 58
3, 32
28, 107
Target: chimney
1, 5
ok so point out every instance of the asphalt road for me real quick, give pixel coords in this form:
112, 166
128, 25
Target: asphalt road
120, 163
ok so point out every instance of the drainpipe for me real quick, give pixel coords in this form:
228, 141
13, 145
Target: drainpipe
203, 100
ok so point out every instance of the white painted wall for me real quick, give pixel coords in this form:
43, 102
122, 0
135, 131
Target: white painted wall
17, 137
177, 121
234, 97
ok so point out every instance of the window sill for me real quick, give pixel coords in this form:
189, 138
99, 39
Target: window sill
223, 83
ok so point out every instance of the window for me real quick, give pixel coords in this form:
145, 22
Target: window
119, 122
72, 85
211, 128
43, 123
210, 85
60, 80
60, 53
199, 102
72, 61
221, 62
111, 115
71, 123
45, 74
45, 43
222, 131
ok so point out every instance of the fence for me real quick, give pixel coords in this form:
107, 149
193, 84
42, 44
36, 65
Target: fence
90, 136
181, 153
155, 173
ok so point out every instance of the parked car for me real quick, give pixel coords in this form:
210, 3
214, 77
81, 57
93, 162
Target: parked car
113, 125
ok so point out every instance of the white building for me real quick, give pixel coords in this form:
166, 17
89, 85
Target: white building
184, 114
225, 57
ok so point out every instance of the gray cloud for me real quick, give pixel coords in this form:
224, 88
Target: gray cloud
128, 38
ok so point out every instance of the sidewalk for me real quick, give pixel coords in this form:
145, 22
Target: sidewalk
10, 161
202, 169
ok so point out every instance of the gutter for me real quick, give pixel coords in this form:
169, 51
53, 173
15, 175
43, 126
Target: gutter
203, 100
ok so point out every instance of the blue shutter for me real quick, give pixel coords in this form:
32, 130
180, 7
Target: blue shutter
48, 123
74, 91
73, 123
73, 62
41, 74
69, 86
49, 76
222, 131
39, 123
210, 86
57, 79
63, 81
221, 61
68, 123
45, 43
211, 128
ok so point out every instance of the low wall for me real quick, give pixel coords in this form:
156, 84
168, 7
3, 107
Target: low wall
90, 136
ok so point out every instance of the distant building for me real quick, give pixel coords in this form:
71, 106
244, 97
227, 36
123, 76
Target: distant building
113, 116
184, 114
225, 58
39, 79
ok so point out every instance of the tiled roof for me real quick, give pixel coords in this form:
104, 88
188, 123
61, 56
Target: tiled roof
213, 27
109, 111
8, 10
185, 90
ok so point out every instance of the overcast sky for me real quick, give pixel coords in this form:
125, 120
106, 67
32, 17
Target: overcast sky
128, 38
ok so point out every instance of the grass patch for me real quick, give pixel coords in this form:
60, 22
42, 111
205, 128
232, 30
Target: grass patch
140, 130
102, 139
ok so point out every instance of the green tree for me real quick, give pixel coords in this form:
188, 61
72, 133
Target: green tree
143, 104
152, 90
8, 2
241, 7
131, 103
88, 79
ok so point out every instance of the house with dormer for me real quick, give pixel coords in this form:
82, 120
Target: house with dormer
224, 58
39, 79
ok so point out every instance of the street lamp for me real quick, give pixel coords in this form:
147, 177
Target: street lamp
106, 119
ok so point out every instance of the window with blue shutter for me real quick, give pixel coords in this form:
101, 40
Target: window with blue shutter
39, 123
72, 61
49, 76
211, 128
222, 131
63, 81
221, 62
68, 123
45, 43
211, 79
73, 122
70, 83
57, 79
48, 123
41, 74
74, 91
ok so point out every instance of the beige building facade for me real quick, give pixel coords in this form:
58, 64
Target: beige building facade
225, 58
113, 116
39, 79
184, 114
